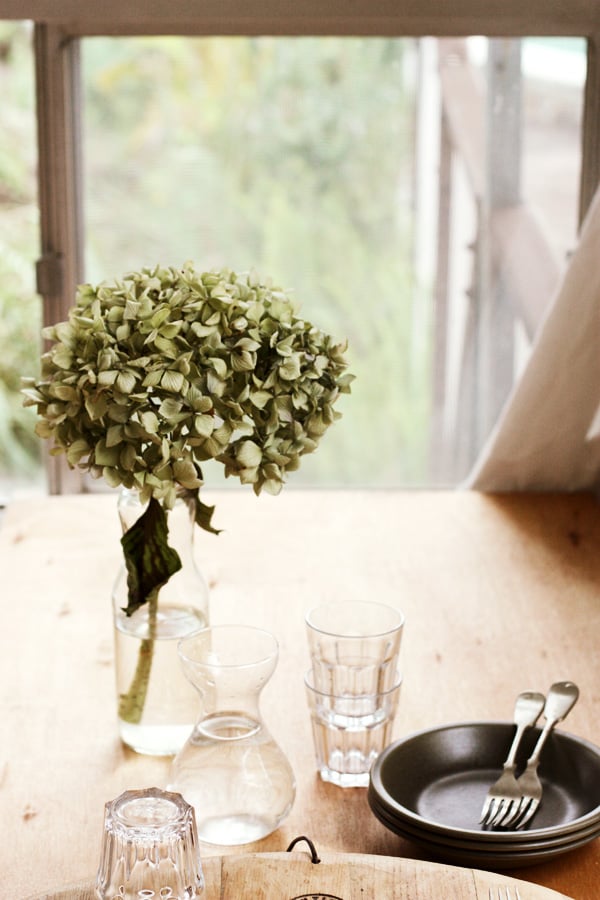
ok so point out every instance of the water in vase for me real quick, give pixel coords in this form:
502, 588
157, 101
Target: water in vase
230, 769
237, 778
157, 704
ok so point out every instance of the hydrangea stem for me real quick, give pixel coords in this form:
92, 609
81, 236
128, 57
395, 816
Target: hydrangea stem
131, 704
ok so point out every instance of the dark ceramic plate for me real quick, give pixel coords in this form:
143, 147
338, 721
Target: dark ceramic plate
450, 843
488, 857
437, 780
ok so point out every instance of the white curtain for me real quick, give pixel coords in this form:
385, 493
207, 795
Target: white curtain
548, 436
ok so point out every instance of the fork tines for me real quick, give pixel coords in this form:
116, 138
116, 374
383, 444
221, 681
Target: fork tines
504, 893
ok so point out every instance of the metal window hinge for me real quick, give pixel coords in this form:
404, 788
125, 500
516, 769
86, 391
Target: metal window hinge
49, 274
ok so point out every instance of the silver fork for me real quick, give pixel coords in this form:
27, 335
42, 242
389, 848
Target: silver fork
504, 893
505, 791
562, 697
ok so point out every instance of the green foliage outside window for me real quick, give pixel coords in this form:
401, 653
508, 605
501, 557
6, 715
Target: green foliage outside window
290, 156
20, 307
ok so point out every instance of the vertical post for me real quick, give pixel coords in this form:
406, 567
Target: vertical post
426, 201
437, 453
503, 189
505, 142
590, 162
60, 267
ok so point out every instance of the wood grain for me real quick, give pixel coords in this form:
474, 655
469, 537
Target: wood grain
501, 594
344, 876
362, 17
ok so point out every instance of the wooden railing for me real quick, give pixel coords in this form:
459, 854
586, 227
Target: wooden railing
509, 270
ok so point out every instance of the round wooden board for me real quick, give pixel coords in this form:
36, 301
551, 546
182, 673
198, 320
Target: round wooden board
343, 876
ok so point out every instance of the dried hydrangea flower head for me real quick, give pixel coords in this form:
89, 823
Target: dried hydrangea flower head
166, 368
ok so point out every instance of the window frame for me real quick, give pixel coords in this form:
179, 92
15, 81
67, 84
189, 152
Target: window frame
59, 24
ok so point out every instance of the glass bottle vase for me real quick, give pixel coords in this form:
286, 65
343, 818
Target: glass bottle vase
157, 707
230, 769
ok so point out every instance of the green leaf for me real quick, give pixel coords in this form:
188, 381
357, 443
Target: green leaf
76, 451
290, 370
96, 405
149, 560
114, 435
65, 333
219, 365
116, 413
33, 396
149, 421
106, 456
204, 425
171, 330
204, 515
184, 471
172, 381
161, 315
249, 454
107, 377
244, 361
111, 476
272, 486
202, 331
260, 398
247, 343
344, 383
62, 357
152, 379
127, 457
167, 348
125, 382
214, 384
44, 429
132, 309
63, 392
223, 433
169, 409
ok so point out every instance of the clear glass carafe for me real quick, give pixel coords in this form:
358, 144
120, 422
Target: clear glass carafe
157, 707
230, 769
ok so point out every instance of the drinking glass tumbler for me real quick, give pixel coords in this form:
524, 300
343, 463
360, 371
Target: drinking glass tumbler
350, 732
149, 848
354, 646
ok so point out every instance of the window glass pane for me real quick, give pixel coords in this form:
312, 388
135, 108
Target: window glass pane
20, 307
554, 72
359, 174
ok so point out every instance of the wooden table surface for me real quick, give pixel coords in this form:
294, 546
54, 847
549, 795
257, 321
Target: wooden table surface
501, 594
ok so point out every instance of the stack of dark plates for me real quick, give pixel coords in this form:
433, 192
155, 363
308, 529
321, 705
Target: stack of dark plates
430, 788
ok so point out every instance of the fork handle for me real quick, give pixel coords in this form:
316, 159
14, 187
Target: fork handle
562, 697
528, 707
512, 753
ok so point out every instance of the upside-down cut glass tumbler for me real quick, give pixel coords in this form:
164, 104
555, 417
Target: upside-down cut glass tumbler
149, 848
